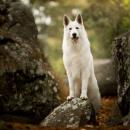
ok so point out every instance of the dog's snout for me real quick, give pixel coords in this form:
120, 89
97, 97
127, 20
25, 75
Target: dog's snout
74, 35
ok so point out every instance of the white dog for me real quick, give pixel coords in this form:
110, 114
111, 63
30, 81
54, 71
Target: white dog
78, 62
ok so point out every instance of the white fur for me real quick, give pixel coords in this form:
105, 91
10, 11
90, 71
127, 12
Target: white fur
78, 62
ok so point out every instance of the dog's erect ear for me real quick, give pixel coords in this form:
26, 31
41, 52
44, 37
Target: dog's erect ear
79, 19
66, 20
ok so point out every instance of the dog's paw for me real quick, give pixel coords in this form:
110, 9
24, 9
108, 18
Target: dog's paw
69, 98
84, 97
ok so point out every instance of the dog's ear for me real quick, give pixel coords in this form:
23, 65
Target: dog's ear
66, 20
79, 19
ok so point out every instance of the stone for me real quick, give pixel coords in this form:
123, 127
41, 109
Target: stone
75, 113
26, 87
121, 56
106, 76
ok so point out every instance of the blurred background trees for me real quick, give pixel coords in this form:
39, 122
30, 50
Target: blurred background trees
103, 19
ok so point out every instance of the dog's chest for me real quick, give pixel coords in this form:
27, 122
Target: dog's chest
75, 57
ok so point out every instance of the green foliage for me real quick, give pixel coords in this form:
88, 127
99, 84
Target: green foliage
108, 19
103, 19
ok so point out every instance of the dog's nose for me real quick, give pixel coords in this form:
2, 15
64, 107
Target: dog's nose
74, 35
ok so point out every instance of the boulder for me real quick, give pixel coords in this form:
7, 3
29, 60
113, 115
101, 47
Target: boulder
106, 76
121, 54
28, 88
74, 113
5, 126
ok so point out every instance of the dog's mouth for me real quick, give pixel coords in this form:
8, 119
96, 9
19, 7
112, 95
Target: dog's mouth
75, 39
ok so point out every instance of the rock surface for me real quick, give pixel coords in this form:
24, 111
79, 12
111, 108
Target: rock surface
28, 88
121, 53
105, 74
74, 113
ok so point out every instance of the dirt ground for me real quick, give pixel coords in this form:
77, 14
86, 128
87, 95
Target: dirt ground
106, 110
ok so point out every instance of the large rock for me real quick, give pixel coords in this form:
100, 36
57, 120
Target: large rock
105, 74
5, 126
28, 88
74, 113
121, 53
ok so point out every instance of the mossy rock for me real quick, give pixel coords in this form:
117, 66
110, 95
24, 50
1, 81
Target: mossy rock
28, 87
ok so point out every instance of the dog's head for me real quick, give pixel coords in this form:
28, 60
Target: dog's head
73, 29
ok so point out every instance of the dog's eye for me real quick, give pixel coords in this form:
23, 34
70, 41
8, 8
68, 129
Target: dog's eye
70, 28
77, 27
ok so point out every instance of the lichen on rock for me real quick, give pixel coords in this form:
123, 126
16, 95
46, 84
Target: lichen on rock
26, 87
74, 113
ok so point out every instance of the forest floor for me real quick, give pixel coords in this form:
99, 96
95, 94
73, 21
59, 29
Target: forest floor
108, 104
105, 112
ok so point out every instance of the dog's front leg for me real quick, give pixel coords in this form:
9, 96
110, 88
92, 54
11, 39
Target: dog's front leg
84, 88
71, 88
